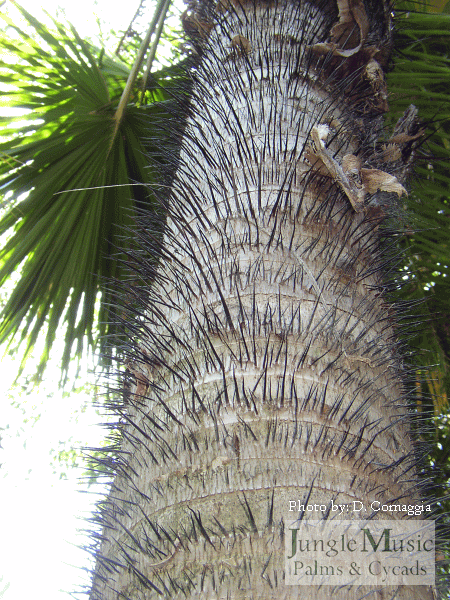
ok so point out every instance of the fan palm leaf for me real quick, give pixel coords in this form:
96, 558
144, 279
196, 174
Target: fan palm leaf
70, 186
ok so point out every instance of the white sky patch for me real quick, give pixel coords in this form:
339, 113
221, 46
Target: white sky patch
83, 13
42, 501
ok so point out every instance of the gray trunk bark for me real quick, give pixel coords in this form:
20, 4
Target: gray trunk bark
266, 368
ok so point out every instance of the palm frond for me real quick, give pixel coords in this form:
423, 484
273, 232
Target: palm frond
69, 187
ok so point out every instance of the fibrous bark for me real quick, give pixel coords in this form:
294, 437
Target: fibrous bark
265, 362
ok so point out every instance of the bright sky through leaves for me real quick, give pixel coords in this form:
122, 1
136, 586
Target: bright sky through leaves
83, 13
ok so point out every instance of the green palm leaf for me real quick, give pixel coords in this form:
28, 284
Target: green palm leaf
78, 179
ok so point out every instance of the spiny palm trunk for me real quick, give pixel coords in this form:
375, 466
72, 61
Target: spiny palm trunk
266, 367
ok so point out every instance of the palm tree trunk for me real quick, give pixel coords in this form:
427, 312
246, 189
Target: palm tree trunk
266, 367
